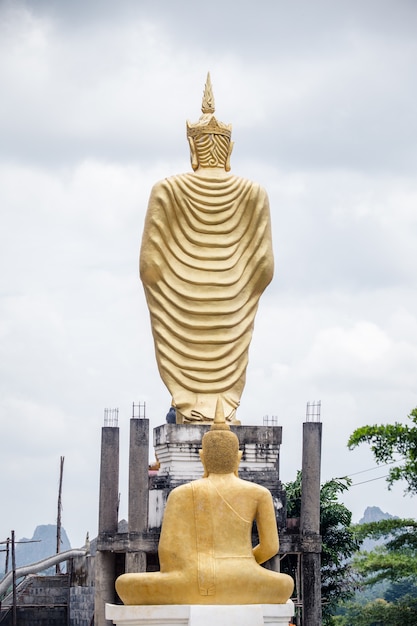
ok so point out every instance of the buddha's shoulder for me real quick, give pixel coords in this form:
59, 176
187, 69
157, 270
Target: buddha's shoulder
164, 183
203, 179
183, 491
249, 486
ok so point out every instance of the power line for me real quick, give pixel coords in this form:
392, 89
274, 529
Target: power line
368, 481
371, 469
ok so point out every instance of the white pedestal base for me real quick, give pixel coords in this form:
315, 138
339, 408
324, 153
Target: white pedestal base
201, 615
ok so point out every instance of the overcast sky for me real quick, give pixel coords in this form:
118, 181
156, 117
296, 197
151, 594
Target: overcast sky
94, 99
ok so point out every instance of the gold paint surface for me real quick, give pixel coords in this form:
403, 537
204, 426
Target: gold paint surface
206, 257
205, 549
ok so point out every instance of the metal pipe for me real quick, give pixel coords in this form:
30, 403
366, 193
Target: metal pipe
40, 566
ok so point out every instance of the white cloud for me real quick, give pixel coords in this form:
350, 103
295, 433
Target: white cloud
93, 109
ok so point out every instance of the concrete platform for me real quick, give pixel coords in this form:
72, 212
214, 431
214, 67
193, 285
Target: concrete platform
200, 615
177, 450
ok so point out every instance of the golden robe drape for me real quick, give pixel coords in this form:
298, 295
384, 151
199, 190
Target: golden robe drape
206, 257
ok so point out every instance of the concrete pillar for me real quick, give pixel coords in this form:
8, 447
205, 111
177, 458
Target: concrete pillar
107, 522
138, 489
104, 592
109, 480
310, 524
311, 589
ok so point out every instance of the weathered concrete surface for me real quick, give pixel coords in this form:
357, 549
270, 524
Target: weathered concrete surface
138, 489
105, 565
310, 524
177, 449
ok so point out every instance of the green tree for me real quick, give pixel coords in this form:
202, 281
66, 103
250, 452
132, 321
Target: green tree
379, 613
392, 442
339, 542
396, 559
394, 562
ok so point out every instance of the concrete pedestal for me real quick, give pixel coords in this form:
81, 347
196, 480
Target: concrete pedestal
177, 450
200, 615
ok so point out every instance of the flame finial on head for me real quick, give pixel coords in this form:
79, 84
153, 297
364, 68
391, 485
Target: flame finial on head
208, 124
207, 105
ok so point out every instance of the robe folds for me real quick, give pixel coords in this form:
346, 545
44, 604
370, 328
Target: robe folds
206, 257
205, 549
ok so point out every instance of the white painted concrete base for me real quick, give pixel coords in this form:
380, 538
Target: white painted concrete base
200, 615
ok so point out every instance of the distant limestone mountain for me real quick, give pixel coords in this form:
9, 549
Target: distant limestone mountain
374, 514
42, 545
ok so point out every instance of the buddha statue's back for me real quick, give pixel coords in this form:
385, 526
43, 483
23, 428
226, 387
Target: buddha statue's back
206, 257
205, 549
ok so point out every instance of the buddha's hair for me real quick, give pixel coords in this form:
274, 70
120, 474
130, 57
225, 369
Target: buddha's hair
212, 149
220, 449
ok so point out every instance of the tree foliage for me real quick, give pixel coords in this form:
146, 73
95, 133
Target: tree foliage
397, 558
339, 542
394, 562
380, 613
401, 533
392, 442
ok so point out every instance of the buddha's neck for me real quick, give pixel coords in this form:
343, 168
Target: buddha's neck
211, 172
220, 479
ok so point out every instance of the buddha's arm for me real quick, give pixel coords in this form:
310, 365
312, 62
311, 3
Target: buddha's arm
267, 529
177, 544
153, 231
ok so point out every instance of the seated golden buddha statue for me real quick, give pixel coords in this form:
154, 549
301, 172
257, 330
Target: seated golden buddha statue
205, 549
206, 257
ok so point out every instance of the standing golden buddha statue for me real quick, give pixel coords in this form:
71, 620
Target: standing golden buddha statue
206, 257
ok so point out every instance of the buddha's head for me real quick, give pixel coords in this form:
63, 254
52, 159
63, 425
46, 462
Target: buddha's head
220, 452
210, 140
